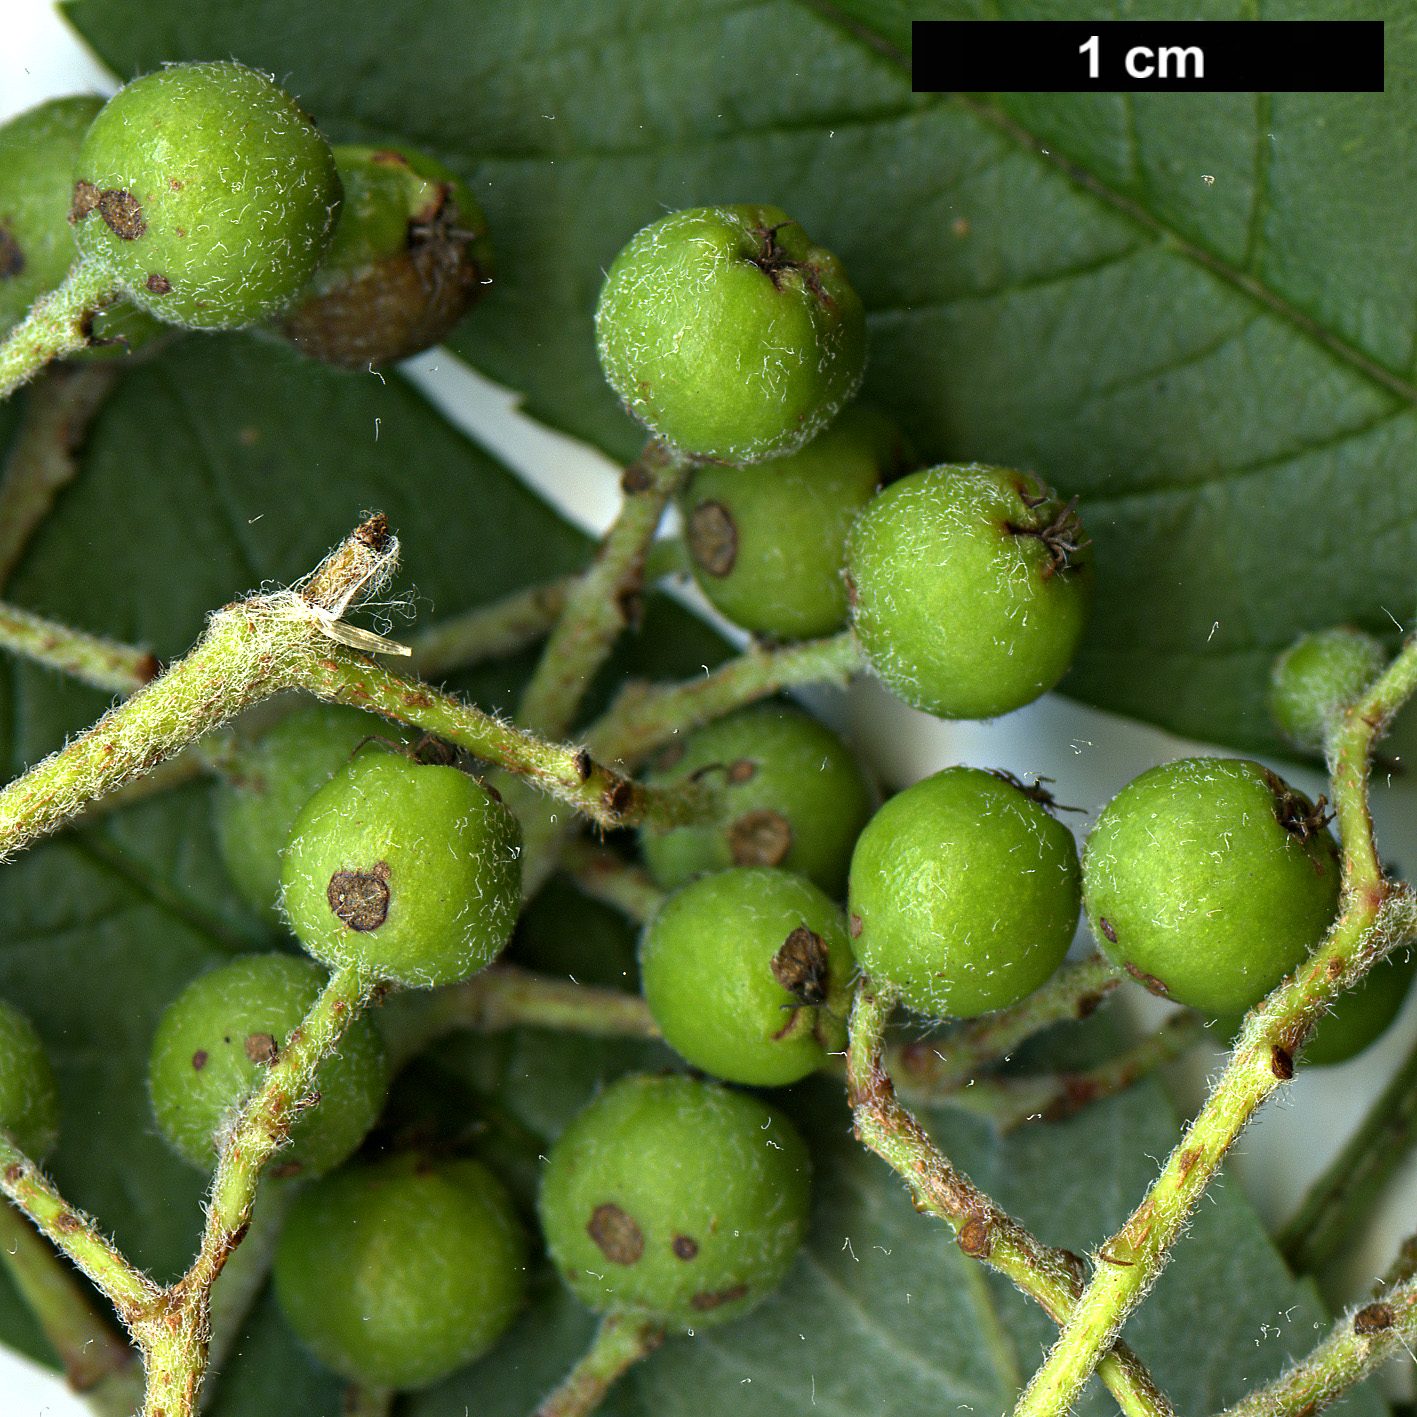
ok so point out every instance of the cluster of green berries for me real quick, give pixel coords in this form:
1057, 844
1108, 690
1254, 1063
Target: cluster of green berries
211, 201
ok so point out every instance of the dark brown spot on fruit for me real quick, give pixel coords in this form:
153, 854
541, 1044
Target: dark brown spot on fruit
1280, 1063
86, 197
854, 926
158, 284
1149, 982
122, 214
685, 1247
802, 965
741, 771
12, 259
760, 838
199, 1060
974, 1238
1106, 927
360, 898
713, 538
1374, 1319
704, 1302
261, 1048
617, 1236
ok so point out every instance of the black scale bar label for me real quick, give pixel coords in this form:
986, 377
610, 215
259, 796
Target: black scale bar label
1148, 56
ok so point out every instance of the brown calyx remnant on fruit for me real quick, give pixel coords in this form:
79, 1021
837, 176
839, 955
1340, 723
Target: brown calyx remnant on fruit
12, 259
1062, 536
616, 1234
760, 838
1296, 814
360, 898
802, 966
774, 262
1035, 792
685, 1247
704, 1302
713, 538
261, 1048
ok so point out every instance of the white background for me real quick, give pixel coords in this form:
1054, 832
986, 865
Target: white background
1090, 755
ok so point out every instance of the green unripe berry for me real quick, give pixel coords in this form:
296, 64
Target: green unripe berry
970, 588
37, 152
1318, 677
1208, 880
206, 194
409, 871
398, 1273
266, 782
29, 1098
748, 975
728, 334
964, 893
410, 257
791, 794
214, 1045
675, 1198
768, 545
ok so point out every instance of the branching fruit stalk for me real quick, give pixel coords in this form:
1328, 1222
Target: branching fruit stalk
982, 1230
105, 664
605, 600
620, 1342
56, 325
1376, 917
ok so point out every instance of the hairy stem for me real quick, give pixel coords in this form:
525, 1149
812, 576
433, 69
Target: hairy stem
490, 631
606, 599
620, 1342
55, 326
1342, 1195
505, 996
645, 717
58, 410
1009, 1102
1376, 916
934, 1067
81, 1338
120, 669
982, 1230
606, 877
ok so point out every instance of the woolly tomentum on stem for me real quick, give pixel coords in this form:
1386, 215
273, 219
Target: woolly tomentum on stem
29, 1099
396, 1273
410, 257
768, 546
410, 871
216, 1041
964, 893
748, 975
676, 1199
970, 588
728, 334
790, 794
206, 194
1209, 879
37, 152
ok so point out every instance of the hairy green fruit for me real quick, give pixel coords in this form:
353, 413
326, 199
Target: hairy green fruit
410, 871
29, 1098
410, 257
675, 1198
791, 794
1318, 677
216, 1040
728, 334
970, 588
768, 546
207, 195
398, 1273
1208, 880
37, 152
266, 782
964, 893
748, 975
